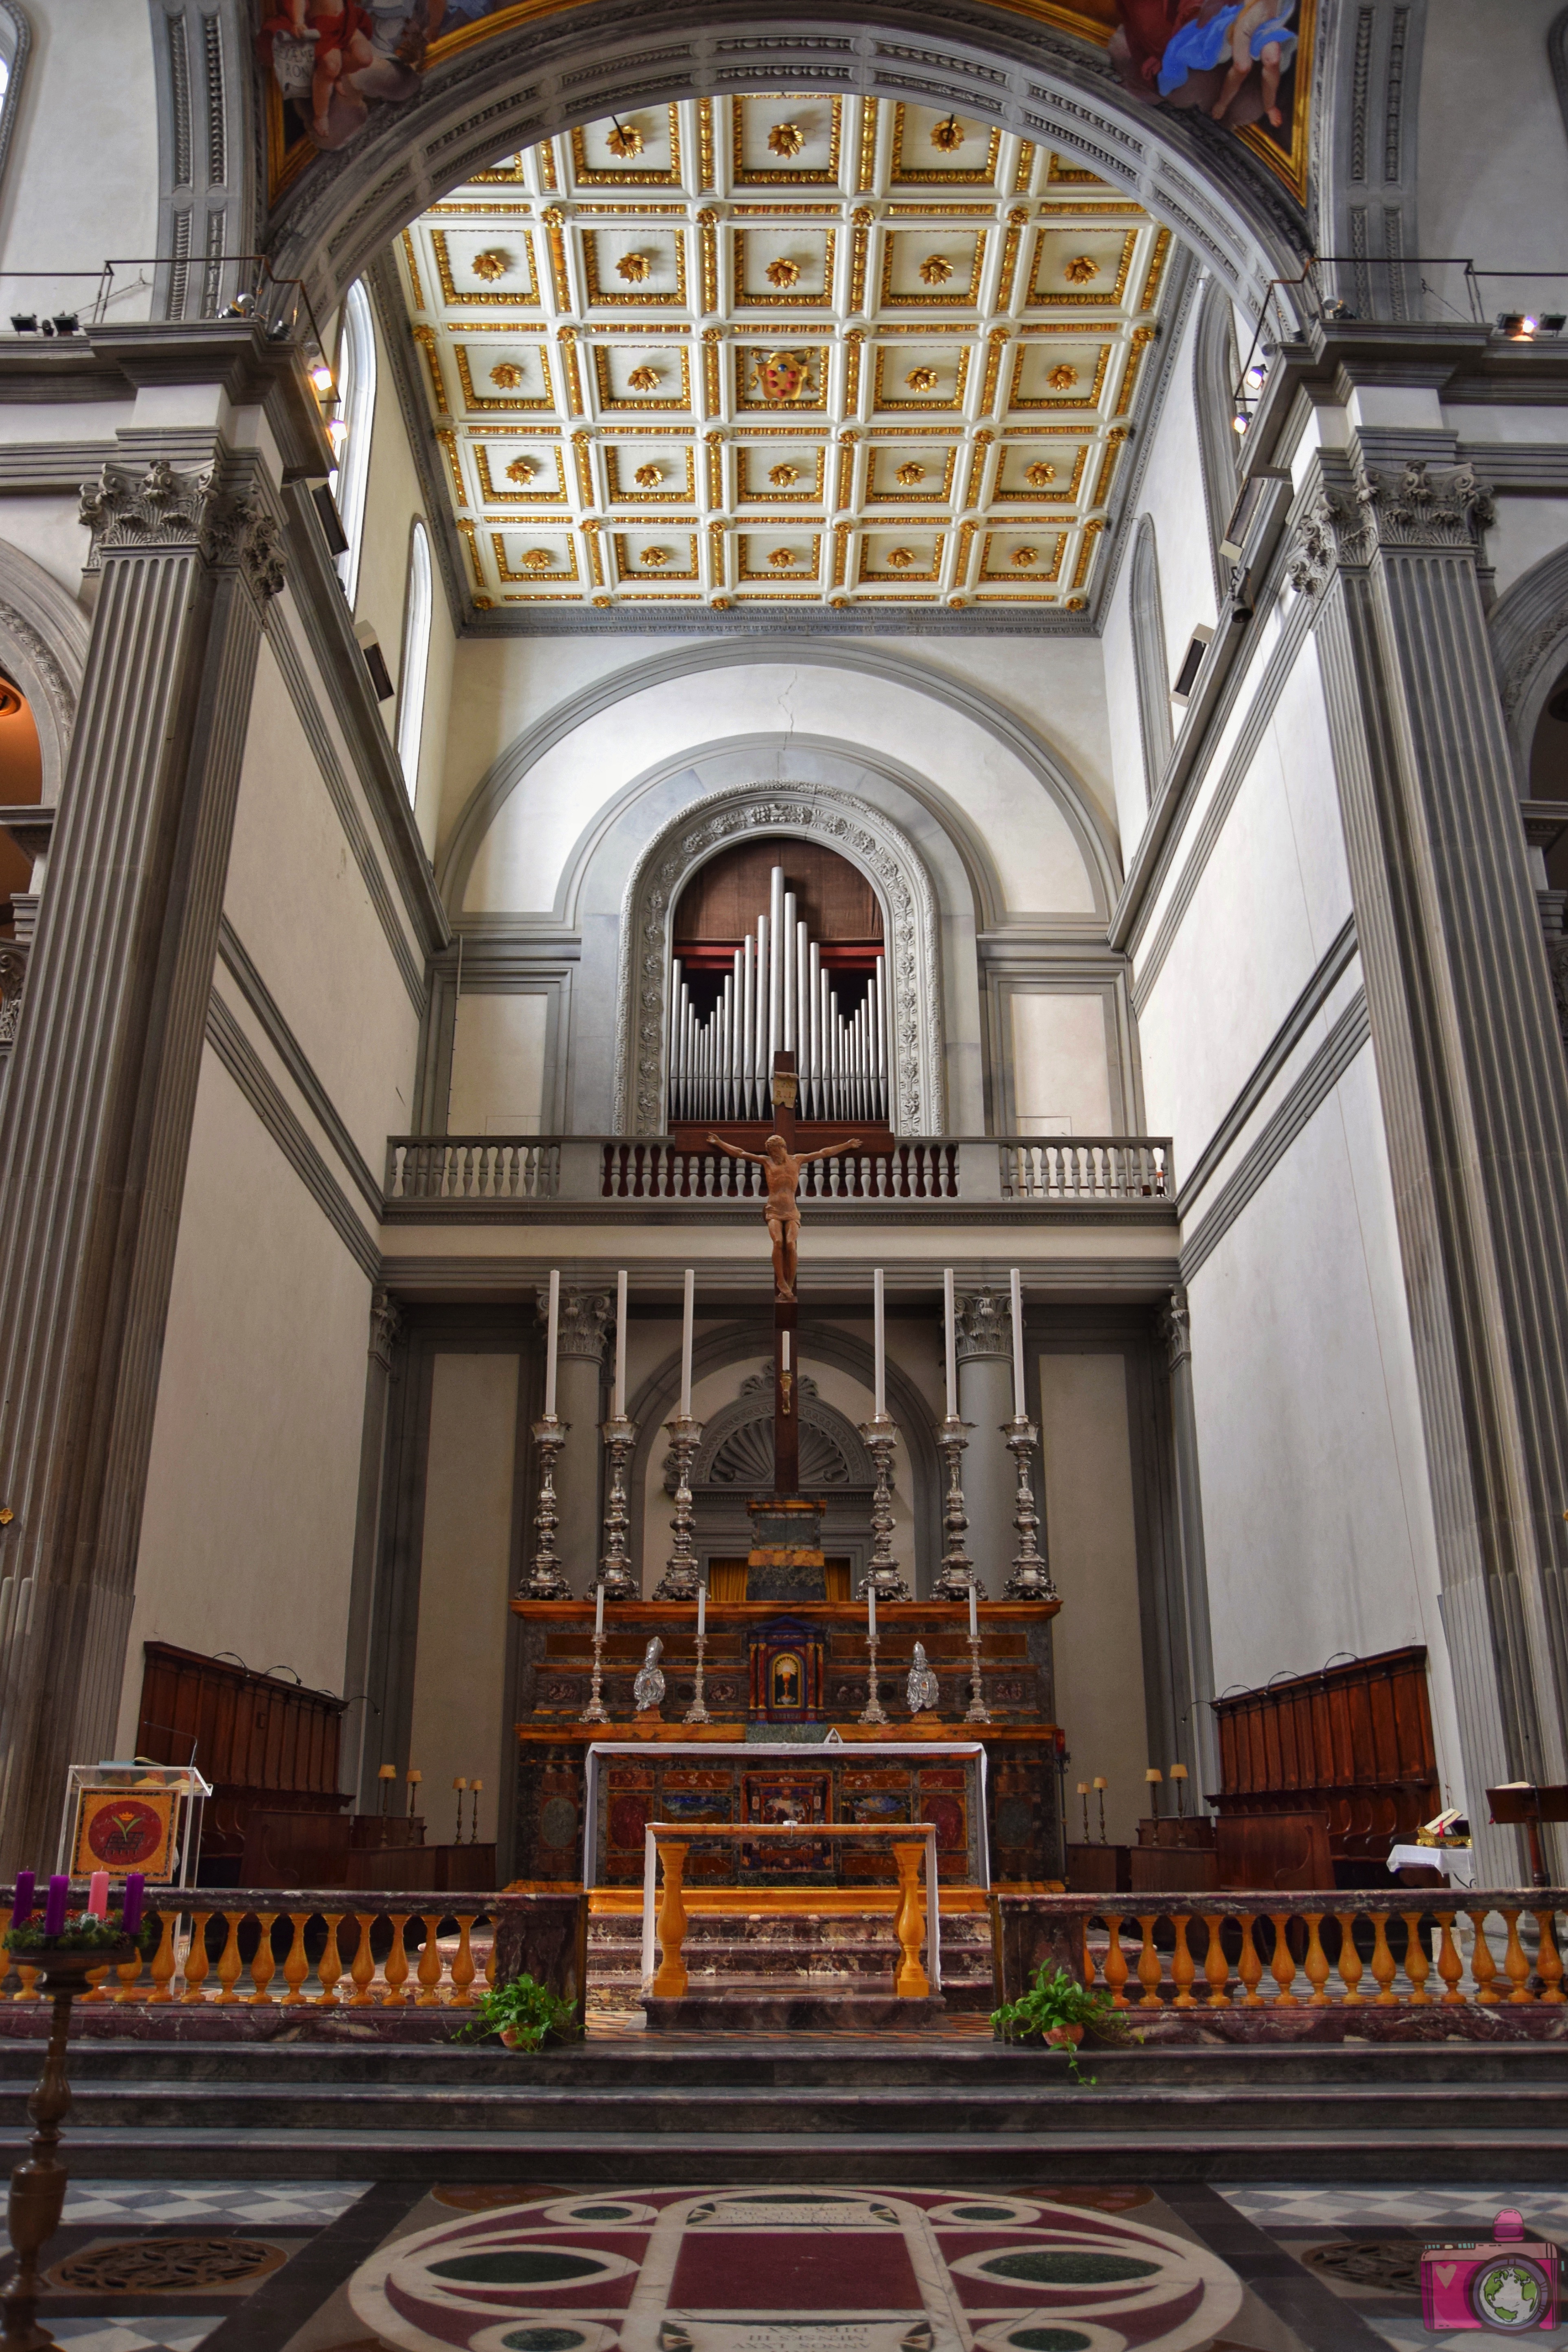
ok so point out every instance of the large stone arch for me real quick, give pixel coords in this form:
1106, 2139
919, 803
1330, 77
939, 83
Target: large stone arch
1529, 632
860, 833
558, 66
1088, 821
42, 646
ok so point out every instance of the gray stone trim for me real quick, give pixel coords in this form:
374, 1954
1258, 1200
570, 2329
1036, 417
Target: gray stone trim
340, 662
1078, 804
22, 42
396, 329
208, 155
1215, 366
1281, 661
1183, 279
1528, 628
733, 1278
1151, 659
1537, 470
256, 1083
1557, 58
1364, 149
912, 926
301, 694
1306, 1097
1335, 963
292, 1055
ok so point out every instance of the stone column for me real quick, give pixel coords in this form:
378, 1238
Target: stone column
984, 1332
585, 1316
1471, 1070
103, 1087
1199, 1739
385, 1327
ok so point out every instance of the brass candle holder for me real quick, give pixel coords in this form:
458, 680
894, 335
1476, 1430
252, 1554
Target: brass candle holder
873, 1711
595, 1710
1100, 1792
956, 1579
1083, 1795
976, 1711
880, 1436
698, 1711
1031, 1579
680, 1579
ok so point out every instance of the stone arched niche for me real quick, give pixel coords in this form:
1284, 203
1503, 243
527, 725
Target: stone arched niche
861, 834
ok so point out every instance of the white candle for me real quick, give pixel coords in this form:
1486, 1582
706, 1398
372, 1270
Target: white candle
598, 1609
880, 1342
701, 1611
951, 1346
620, 1404
872, 1611
1018, 1347
974, 1617
550, 1343
686, 1344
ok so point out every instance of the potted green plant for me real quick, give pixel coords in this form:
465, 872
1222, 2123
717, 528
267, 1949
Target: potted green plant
523, 2013
1057, 2011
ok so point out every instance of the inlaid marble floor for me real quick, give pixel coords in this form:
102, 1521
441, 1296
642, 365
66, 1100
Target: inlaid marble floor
257, 2266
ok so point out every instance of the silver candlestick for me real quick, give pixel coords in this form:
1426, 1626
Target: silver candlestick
678, 1581
545, 1581
881, 1436
1031, 1578
976, 1711
956, 1579
697, 1712
615, 1574
873, 1711
595, 1710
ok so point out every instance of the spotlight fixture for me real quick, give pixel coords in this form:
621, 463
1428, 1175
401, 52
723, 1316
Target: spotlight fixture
1240, 422
1334, 311
25, 323
320, 375
1256, 377
241, 306
1525, 326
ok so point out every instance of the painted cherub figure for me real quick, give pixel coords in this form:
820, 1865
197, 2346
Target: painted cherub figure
781, 1169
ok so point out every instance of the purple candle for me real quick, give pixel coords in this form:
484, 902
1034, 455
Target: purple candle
55, 1909
135, 1884
22, 1902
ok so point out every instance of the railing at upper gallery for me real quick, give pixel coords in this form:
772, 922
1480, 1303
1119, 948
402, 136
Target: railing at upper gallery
1074, 1172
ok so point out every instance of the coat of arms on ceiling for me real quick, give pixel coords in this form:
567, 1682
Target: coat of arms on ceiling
784, 375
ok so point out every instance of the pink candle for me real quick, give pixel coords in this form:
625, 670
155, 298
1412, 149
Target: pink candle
98, 1895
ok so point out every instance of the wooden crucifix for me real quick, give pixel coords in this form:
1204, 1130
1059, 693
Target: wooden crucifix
781, 1165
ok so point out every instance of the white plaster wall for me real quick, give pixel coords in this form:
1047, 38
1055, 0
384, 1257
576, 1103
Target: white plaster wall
249, 1528
1096, 1640
1061, 1074
296, 898
392, 500
498, 1064
50, 529
459, 1673
522, 862
1273, 894
1525, 530
1493, 160
82, 184
1317, 1516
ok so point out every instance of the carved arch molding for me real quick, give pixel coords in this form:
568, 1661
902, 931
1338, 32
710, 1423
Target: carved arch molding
911, 927
736, 1456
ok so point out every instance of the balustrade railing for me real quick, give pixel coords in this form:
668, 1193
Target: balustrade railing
1411, 1947
260, 1949
473, 1171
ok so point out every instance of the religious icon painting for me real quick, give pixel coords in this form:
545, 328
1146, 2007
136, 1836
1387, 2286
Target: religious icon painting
786, 1684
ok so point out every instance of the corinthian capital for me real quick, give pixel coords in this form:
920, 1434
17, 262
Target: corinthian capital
983, 1324
1388, 507
162, 507
585, 1317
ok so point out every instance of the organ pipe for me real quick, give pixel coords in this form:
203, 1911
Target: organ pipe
779, 995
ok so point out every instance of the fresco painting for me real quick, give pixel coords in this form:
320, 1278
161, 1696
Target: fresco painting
334, 63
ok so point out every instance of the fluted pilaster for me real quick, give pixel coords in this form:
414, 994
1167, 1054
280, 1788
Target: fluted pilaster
102, 1086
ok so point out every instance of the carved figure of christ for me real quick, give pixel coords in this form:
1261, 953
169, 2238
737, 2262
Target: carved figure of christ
780, 1168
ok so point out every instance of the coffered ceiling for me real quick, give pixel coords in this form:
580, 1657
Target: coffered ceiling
765, 351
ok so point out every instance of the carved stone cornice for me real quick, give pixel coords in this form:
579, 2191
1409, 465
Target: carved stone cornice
983, 1324
584, 1318
13, 978
1383, 508
160, 507
1176, 1330
385, 1323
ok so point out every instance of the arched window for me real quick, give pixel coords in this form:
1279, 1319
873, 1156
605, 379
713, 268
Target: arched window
1150, 659
356, 411
16, 40
415, 663
1215, 370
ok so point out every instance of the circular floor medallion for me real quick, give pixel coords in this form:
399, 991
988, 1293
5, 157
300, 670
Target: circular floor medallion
167, 2265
